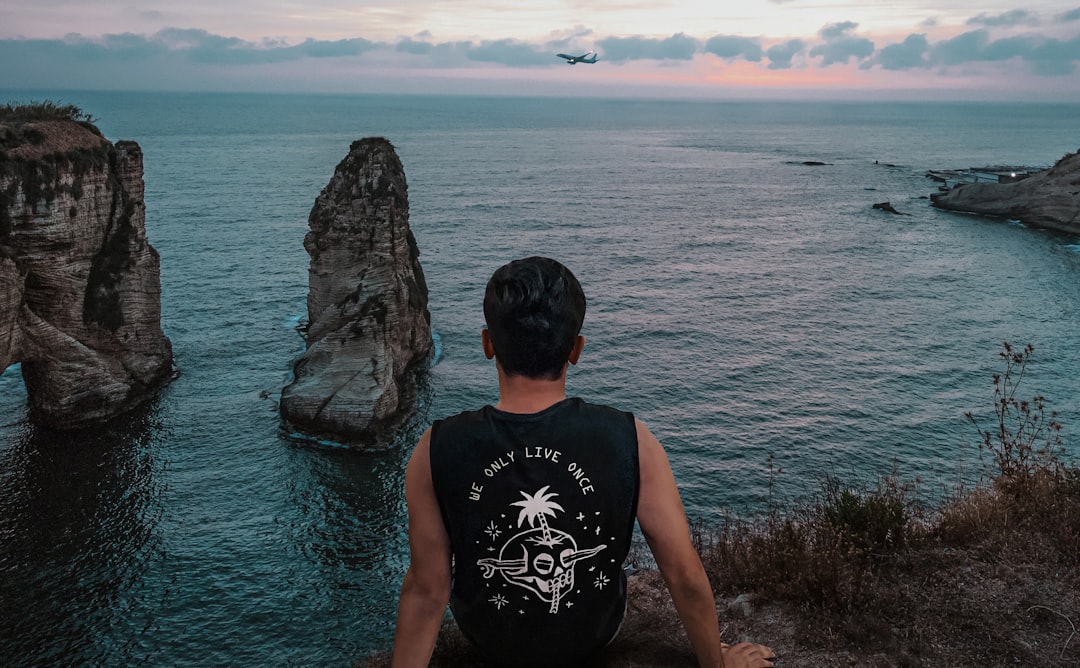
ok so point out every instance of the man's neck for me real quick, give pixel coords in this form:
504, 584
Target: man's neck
521, 394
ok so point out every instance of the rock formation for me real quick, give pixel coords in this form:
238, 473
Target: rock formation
887, 206
1050, 198
369, 330
80, 295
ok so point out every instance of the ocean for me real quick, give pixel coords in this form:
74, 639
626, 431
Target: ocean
769, 326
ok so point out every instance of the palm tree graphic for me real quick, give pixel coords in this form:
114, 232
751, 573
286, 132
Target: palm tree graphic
537, 507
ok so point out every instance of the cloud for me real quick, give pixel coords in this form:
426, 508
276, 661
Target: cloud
414, 47
1010, 47
676, 47
976, 46
192, 38
216, 50
840, 46
127, 45
509, 52
192, 45
910, 53
570, 39
1055, 57
313, 48
733, 46
780, 55
837, 30
1046, 56
1071, 15
963, 48
1016, 17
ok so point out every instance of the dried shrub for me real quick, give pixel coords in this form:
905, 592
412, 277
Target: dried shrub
14, 112
1025, 439
820, 556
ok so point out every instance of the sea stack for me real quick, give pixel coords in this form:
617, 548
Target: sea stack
369, 329
80, 291
1048, 199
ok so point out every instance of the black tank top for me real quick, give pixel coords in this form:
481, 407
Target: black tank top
540, 511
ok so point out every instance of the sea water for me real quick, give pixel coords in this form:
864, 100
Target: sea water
767, 324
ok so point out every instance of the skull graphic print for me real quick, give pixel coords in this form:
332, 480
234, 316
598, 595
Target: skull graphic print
539, 559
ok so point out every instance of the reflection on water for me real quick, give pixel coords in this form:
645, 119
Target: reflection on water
78, 518
113, 554
349, 529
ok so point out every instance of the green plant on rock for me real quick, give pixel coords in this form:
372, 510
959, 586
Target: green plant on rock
875, 521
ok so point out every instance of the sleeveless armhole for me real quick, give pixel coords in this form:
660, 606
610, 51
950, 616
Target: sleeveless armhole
637, 466
434, 450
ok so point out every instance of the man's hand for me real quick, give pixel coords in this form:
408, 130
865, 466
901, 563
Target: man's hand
747, 655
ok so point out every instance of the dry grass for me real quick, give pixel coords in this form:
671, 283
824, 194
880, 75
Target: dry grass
992, 578
31, 131
48, 110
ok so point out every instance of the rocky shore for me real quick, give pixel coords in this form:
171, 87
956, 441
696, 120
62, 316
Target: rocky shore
1048, 199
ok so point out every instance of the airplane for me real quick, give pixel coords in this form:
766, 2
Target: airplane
570, 60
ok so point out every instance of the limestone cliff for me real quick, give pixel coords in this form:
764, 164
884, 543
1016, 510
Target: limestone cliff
369, 330
1050, 198
80, 296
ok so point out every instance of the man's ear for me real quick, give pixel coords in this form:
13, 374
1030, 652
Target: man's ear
575, 351
485, 342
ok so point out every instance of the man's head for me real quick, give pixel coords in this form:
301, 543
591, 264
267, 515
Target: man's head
534, 309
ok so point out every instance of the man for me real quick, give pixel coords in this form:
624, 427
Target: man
521, 514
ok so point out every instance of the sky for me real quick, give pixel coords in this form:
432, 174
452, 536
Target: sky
870, 49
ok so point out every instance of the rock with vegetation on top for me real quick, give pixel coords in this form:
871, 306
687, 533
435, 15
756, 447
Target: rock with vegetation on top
1049, 199
80, 294
369, 330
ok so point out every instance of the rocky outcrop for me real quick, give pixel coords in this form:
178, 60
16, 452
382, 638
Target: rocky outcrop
1050, 198
80, 295
369, 330
888, 207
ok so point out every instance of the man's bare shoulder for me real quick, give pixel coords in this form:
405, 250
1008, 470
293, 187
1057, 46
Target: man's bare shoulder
651, 454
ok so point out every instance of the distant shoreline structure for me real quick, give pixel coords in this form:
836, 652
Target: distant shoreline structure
950, 178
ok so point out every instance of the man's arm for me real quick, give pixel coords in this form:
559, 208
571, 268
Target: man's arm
426, 588
663, 522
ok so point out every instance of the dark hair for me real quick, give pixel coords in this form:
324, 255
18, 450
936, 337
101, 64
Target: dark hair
534, 308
